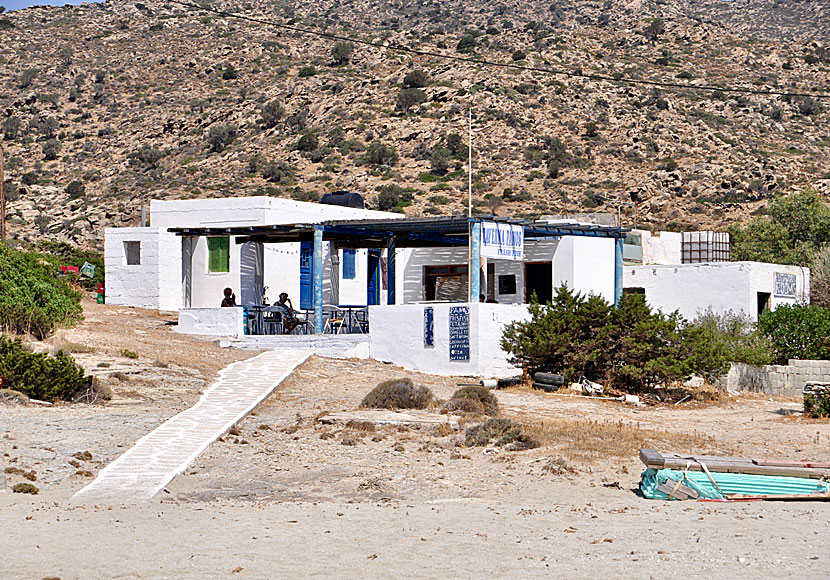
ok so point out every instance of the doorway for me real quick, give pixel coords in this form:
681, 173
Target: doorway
373, 278
539, 281
306, 273
763, 302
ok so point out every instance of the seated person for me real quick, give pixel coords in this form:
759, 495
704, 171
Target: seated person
229, 299
286, 309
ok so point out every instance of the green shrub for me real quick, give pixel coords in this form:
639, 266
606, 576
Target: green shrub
398, 394
25, 488
714, 340
33, 298
379, 154
307, 71
501, 433
341, 51
271, 114
797, 331
30, 178
628, 346
796, 227
51, 149
69, 255
817, 405
308, 142
75, 189
221, 136
408, 98
483, 395
11, 127
278, 172
416, 79
38, 375
147, 157
519, 55
393, 197
466, 44
128, 353
27, 77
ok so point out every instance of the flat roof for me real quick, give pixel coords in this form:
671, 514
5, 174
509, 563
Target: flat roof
407, 232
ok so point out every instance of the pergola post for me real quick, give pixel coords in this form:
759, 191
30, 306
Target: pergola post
618, 270
474, 267
317, 282
390, 270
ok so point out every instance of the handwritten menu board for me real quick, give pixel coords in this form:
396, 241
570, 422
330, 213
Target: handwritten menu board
459, 333
429, 327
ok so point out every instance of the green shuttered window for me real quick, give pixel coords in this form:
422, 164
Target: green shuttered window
219, 254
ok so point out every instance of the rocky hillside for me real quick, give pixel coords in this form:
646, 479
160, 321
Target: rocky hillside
106, 106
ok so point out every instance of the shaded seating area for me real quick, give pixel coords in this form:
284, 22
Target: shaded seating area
394, 234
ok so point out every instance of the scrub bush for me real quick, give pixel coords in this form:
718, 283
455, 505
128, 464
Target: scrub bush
33, 298
398, 394
488, 401
501, 433
68, 255
38, 375
379, 154
25, 488
628, 346
797, 331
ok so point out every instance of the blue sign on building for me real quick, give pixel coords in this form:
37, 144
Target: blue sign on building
459, 333
429, 327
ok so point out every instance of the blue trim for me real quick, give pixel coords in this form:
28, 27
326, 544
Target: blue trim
349, 255
318, 279
390, 271
475, 261
618, 270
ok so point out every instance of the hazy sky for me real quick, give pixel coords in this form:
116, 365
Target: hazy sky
17, 4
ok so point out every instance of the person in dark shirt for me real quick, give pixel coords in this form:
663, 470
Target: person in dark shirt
229, 299
289, 316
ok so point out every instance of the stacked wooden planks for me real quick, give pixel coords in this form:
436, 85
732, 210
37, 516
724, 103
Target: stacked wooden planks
679, 476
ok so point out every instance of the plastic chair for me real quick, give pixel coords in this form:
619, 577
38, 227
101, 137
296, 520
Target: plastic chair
335, 321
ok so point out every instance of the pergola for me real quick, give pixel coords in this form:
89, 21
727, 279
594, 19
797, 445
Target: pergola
405, 233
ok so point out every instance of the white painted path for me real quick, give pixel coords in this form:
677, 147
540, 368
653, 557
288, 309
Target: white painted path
155, 459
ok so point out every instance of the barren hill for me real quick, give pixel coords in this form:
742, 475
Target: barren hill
107, 106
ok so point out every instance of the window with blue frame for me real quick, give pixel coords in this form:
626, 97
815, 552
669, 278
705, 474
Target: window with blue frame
349, 257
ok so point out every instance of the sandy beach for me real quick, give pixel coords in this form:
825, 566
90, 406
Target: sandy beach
287, 496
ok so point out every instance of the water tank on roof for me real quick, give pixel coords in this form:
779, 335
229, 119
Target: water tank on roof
344, 198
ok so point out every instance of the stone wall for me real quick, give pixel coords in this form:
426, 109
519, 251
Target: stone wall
786, 380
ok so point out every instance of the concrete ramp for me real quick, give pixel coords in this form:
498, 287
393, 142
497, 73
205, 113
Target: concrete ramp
149, 465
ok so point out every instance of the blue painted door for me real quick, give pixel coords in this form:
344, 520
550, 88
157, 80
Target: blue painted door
373, 279
306, 274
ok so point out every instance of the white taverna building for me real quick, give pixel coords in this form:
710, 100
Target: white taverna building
410, 273
690, 272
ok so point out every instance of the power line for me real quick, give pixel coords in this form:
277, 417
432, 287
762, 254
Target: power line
514, 66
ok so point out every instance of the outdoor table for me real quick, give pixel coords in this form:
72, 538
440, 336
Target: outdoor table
256, 318
351, 315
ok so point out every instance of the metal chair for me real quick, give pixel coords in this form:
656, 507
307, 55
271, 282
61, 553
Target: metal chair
336, 321
272, 321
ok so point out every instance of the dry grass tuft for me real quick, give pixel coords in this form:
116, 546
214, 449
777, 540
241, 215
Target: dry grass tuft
25, 488
463, 407
398, 394
481, 395
364, 426
586, 441
501, 433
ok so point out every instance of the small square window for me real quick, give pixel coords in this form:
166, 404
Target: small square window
132, 253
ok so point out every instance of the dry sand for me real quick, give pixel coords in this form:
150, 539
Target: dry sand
287, 497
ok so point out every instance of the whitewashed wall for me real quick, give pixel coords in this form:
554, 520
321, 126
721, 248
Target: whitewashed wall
397, 336
132, 285
722, 286
211, 321
662, 248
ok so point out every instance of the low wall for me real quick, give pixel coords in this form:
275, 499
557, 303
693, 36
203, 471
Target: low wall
328, 345
785, 380
212, 321
397, 336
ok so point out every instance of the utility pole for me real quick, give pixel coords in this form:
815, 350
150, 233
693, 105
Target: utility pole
470, 170
2, 192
